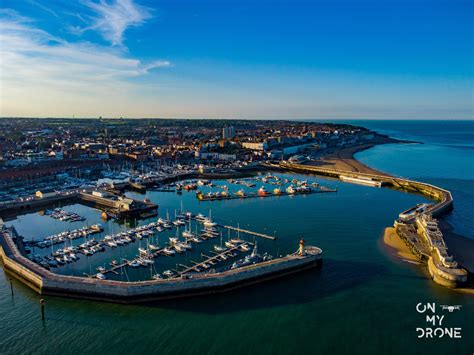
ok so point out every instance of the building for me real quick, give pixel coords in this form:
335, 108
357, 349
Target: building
217, 156
255, 145
45, 193
228, 132
138, 156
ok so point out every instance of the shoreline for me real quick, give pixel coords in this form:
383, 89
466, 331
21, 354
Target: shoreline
395, 246
459, 246
344, 158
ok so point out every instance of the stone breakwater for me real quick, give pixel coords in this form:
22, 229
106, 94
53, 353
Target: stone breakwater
48, 283
442, 267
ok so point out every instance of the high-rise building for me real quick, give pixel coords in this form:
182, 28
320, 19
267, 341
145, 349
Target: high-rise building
228, 132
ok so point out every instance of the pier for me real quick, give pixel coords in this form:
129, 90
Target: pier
421, 234
240, 230
117, 205
211, 259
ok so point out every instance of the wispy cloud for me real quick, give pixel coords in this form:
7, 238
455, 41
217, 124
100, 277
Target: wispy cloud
112, 18
43, 7
34, 62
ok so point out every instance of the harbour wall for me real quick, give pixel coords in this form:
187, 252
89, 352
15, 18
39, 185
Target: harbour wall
48, 283
445, 278
443, 197
444, 204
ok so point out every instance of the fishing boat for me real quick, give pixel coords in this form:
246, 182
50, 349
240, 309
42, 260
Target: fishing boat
277, 191
253, 258
100, 276
240, 193
262, 191
303, 189
157, 277
290, 190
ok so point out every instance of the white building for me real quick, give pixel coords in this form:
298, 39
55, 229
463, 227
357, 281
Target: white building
255, 145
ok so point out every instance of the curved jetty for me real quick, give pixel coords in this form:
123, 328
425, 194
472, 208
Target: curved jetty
46, 282
415, 226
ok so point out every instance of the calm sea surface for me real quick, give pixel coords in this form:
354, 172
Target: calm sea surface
361, 301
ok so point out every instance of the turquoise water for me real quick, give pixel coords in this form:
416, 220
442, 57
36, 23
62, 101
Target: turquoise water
361, 301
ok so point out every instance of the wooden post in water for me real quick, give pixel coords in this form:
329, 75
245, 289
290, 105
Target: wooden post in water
11, 286
42, 308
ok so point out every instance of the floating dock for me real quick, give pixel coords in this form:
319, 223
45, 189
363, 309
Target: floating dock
240, 230
215, 258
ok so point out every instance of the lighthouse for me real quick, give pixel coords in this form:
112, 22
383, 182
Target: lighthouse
301, 250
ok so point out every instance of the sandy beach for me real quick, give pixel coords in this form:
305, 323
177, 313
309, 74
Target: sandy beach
343, 158
460, 247
397, 247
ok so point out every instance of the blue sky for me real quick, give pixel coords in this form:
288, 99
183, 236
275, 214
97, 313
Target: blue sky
237, 59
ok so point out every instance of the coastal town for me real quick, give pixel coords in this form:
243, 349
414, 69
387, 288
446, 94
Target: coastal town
50, 163
66, 153
242, 177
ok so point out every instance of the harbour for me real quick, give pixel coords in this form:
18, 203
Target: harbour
342, 265
242, 177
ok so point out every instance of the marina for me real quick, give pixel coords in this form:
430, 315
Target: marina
242, 177
270, 186
146, 237
253, 269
